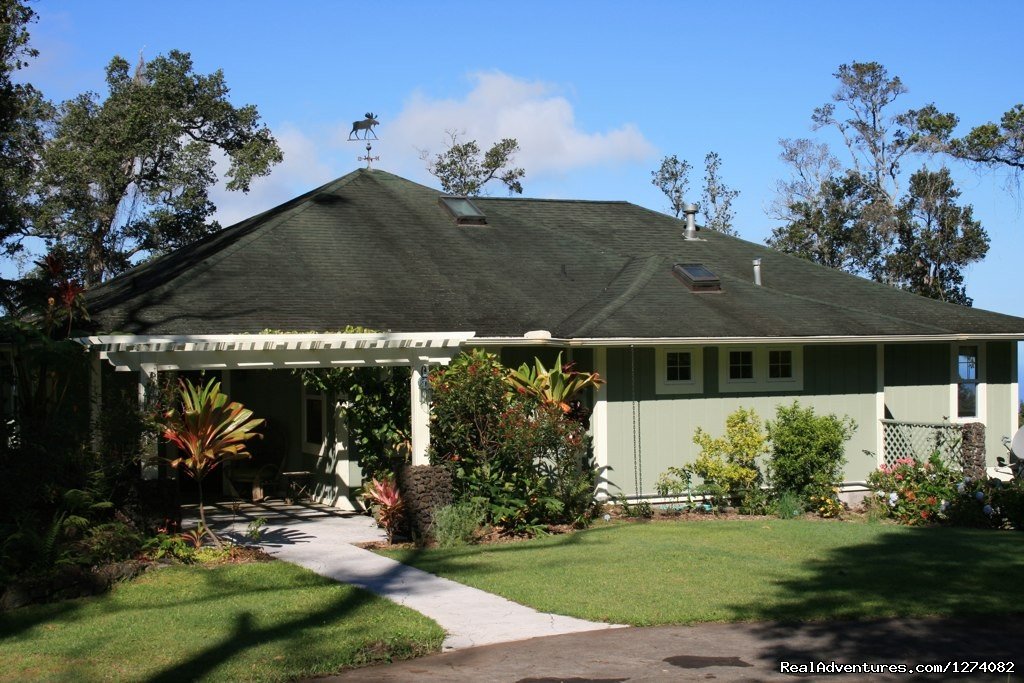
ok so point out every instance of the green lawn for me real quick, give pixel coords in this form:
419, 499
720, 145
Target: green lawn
684, 572
263, 621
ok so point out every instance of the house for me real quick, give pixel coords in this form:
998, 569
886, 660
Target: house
685, 325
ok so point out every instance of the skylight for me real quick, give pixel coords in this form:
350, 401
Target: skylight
464, 211
697, 277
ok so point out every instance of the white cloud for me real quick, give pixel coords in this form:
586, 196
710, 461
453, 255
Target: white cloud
503, 106
303, 169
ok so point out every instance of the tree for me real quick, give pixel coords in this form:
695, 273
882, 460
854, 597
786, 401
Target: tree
829, 227
876, 138
22, 108
716, 199
128, 176
463, 169
994, 144
936, 239
857, 218
811, 164
673, 179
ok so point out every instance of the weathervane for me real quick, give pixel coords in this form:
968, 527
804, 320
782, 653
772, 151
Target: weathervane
366, 125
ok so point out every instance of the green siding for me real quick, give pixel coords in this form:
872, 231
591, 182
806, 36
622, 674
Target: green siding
1001, 408
917, 378
999, 362
916, 364
838, 379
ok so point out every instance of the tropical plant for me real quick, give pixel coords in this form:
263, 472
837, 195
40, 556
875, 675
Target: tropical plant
208, 430
519, 451
384, 493
557, 386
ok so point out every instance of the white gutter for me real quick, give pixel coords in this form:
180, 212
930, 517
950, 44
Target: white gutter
743, 341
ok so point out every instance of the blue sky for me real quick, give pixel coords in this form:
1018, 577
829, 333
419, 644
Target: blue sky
596, 92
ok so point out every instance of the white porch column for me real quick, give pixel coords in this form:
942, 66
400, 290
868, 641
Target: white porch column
150, 470
880, 403
599, 424
420, 414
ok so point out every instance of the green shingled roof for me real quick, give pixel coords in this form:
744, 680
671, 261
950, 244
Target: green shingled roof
377, 250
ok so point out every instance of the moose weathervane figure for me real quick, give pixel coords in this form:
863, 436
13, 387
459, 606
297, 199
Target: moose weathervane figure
366, 124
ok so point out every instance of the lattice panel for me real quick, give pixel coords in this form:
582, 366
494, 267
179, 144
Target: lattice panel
919, 440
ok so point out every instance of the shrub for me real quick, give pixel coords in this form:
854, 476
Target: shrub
789, 505
988, 504
914, 492
454, 525
674, 482
729, 463
526, 457
827, 505
807, 453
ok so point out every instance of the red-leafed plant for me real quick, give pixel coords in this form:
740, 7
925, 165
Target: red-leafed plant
209, 430
391, 508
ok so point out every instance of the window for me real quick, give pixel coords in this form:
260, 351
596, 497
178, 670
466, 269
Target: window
760, 368
741, 366
678, 366
967, 381
780, 364
679, 370
314, 419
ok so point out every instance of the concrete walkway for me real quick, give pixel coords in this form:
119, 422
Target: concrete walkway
320, 538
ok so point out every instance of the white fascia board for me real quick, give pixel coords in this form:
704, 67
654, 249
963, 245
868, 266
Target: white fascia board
845, 339
726, 341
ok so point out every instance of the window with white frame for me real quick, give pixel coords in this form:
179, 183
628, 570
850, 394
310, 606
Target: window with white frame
741, 365
679, 370
760, 368
314, 419
968, 382
780, 365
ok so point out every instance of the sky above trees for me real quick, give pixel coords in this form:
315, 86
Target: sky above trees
596, 93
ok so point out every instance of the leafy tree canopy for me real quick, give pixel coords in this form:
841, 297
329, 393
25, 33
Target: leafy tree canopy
857, 218
463, 169
672, 177
22, 108
128, 175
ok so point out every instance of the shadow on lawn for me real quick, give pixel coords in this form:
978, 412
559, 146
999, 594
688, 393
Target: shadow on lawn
972, 576
297, 632
246, 635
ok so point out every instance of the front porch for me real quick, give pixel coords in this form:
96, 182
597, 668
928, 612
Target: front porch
306, 436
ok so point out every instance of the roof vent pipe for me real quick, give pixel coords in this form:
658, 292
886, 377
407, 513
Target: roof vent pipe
757, 272
690, 211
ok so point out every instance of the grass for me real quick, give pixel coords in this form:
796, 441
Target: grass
787, 570
261, 621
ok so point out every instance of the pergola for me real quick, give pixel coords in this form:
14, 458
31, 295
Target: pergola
148, 355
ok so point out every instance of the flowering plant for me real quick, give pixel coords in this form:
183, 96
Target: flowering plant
914, 492
827, 505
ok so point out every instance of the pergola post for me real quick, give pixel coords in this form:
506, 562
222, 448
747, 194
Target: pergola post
150, 470
95, 400
420, 415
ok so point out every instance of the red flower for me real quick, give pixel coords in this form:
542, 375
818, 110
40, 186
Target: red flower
69, 291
